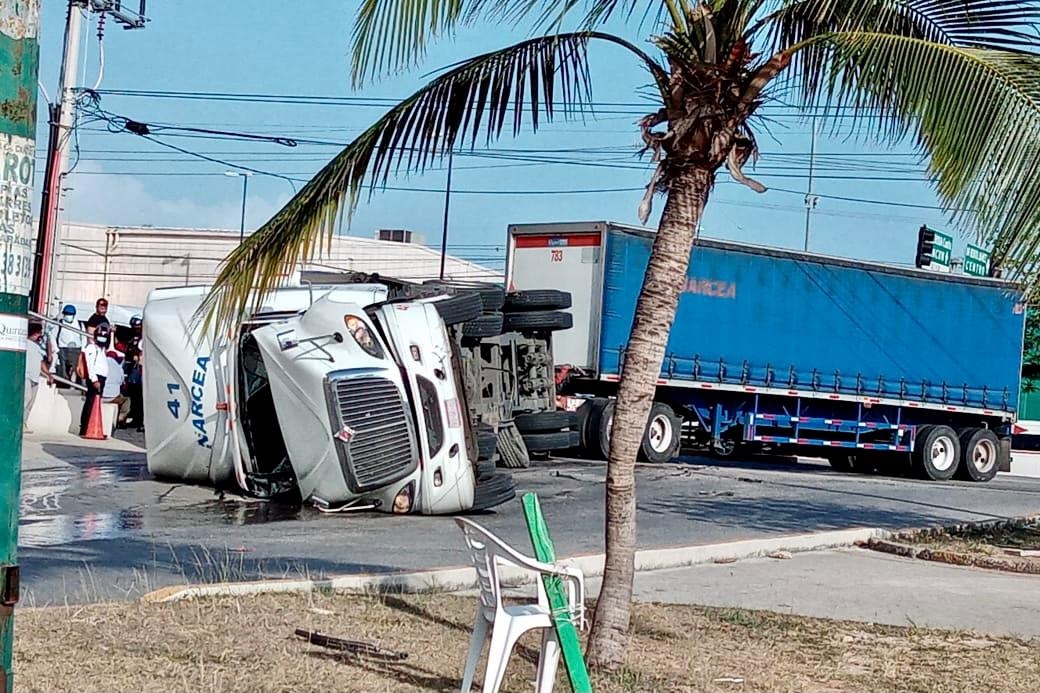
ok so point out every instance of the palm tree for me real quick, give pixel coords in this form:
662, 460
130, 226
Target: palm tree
959, 78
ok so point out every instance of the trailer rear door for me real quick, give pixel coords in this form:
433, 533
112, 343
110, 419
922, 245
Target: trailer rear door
567, 257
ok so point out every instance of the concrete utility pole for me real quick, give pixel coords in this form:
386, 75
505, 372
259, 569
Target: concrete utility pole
62, 117
19, 65
447, 203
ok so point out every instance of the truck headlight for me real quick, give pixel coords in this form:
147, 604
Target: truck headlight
363, 336
404, 499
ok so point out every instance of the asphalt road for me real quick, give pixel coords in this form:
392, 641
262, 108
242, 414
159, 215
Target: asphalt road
95, 526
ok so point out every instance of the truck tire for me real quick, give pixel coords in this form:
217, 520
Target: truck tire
487, 445
724, 449
588, 420
459, 308
541, 421
492, 491
491, 295
550, 442
487, 325
937, 452
537, 299
662, 435
484, 470
550, 320
980, 454
512, 452
600, 425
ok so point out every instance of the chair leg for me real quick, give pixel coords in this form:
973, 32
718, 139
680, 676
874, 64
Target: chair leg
476, 644
503, 637
548, 661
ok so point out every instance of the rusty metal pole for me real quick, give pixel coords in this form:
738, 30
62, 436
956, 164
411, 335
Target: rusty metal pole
19, 65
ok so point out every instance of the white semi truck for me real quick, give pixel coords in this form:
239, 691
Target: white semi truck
363, 395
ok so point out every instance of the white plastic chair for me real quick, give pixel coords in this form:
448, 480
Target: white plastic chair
507, 623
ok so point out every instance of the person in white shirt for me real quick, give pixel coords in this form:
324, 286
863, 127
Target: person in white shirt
34, 368
97, 372
113, 392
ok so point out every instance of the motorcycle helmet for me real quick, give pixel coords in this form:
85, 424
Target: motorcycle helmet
102, 335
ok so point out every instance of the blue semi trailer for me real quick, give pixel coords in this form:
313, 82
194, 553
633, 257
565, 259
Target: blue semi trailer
865, 364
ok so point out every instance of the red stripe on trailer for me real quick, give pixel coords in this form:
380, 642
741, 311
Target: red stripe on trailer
662, 382
750, 389
574, 240
613, 378
802, 441
868, 446
835, 396
793, 393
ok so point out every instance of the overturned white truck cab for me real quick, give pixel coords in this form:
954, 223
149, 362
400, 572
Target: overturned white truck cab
334, 396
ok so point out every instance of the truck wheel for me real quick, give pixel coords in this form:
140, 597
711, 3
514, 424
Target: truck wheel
588, 424
487, 445
538, 320
661, 438
493, 490
537, 299
724, 449
512, 452
459, 308
487, 325
492, 296
540, 421
484, 470
980, 453
600, 425
937, 452
549, 442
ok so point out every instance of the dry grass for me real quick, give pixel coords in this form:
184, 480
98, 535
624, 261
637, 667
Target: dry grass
247, 644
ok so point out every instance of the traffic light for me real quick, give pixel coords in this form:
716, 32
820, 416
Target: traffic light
925, 245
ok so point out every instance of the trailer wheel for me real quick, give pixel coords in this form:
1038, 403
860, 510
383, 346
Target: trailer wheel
588, 424
537, 299
487, 325
512, 452
725, 448
937, 452
550, 442
600, 427
662, 435
459, 308
541, 421
550, 320
980, 454
492, 296
487, 445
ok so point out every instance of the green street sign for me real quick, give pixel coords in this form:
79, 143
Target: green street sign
942, 251
976, 261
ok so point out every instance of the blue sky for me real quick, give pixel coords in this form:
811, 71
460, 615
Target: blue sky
269, 47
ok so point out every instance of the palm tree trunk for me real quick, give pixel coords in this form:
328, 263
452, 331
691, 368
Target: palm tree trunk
687, 193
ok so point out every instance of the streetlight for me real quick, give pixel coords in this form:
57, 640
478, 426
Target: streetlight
245, 186
447, 201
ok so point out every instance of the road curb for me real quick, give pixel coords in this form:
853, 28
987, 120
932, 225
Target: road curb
463, 578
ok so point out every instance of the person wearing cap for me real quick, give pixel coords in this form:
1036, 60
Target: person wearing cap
70, 343
94, 354
35, 367
133, 369
114, 392
100, 316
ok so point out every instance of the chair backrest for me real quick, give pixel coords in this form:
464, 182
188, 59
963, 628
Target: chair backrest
486, 551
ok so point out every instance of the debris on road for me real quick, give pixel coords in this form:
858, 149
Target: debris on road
782, 555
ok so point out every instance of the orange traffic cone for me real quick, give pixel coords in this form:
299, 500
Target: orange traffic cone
95, 426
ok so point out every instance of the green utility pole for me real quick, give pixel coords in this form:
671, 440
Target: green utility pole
19, 64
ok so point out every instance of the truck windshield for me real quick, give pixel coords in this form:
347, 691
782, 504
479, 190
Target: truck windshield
431, 408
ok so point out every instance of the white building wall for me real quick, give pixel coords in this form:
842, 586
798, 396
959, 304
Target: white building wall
124, 264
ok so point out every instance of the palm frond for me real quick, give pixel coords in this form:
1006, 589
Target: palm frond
390, 35
542, 78
987, 24
975, 112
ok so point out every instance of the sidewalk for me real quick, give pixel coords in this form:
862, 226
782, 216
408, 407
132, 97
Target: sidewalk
857, 585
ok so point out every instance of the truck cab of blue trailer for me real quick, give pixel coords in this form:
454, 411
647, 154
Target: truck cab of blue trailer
868, 365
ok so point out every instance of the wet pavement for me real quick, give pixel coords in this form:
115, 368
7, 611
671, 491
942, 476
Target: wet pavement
96, 526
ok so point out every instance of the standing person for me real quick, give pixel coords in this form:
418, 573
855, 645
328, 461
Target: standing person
97, 371
134, 363
99, 317
115, 392
34, 368
70, 343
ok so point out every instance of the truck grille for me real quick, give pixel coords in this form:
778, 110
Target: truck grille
381, 446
